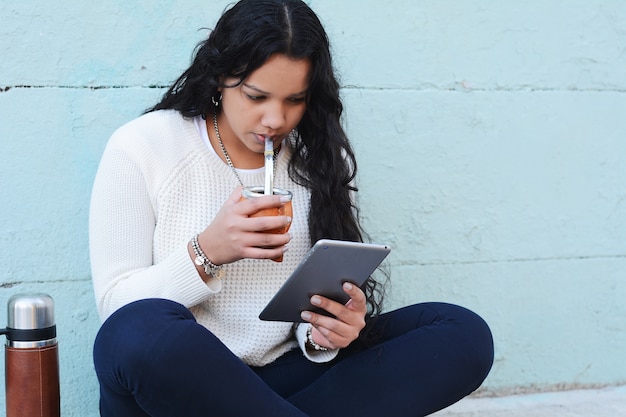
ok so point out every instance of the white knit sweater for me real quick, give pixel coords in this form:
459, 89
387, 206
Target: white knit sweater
157, 185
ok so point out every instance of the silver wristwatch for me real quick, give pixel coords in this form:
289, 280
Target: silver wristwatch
211, 269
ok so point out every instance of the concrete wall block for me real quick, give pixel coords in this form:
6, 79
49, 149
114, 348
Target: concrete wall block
481, 45
553, 321
114, 43
484, 176
54, 139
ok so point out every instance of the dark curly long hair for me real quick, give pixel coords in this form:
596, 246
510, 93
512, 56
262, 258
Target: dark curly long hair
244, 38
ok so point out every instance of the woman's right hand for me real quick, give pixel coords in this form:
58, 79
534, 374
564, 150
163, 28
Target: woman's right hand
233, 235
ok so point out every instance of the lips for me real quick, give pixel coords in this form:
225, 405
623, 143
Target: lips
261, 138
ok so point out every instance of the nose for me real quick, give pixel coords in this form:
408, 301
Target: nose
274, 116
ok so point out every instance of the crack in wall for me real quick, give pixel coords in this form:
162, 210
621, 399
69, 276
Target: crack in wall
513, 89
81, 87
518, 260
7, 285
451, 88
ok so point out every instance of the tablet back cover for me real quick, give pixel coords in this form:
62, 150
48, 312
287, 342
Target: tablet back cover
323, 271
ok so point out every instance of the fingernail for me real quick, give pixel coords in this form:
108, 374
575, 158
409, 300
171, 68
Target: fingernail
288, 220
284, 199
305, 315
347, 286
315, 300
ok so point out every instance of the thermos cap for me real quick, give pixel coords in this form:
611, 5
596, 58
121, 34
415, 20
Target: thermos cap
30, 311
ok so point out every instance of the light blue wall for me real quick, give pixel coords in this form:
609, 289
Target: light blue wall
492, 146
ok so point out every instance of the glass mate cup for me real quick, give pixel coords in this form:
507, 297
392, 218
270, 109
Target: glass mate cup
284, 210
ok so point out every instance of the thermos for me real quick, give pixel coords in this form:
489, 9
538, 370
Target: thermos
31, 357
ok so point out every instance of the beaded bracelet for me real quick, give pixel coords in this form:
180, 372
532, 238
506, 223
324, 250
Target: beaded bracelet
201, 259
311, 343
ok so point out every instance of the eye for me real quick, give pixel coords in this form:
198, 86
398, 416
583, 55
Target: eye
297, 100
255, 98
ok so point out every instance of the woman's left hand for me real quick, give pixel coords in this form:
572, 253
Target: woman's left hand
345, 327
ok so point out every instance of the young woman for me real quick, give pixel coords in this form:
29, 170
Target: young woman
181, 271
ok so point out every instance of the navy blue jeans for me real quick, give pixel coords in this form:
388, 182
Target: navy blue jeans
153, 359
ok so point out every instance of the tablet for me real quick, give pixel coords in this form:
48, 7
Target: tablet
323, 271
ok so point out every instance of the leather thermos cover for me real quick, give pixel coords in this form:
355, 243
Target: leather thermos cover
32, 382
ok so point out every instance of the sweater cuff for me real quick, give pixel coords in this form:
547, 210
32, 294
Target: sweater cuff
317, 356
190, 287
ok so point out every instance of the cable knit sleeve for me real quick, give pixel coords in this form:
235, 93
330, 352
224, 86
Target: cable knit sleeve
121, 228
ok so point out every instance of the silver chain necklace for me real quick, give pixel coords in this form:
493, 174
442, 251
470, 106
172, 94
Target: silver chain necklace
228, 160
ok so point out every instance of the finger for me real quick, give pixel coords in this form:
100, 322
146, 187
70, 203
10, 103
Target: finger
264, 253
320, 339
335, 333
265, 240
345, 321
235, 196
331, 339
357, 301
268, 223
353, 312
256, 204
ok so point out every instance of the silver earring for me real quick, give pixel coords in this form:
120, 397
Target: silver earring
216, 103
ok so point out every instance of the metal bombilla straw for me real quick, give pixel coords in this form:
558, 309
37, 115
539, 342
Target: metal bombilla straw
269, 166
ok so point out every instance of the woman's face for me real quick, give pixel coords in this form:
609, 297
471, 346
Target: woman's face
270, 102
